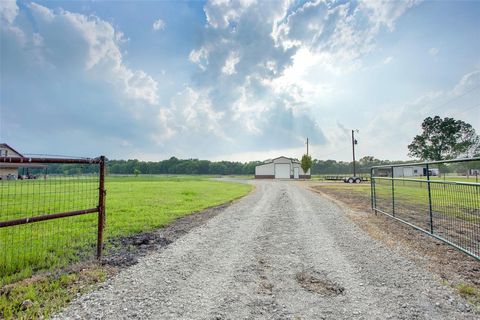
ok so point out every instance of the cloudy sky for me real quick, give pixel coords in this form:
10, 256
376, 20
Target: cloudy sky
234, 80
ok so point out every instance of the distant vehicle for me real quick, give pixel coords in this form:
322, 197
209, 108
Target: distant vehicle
431, 172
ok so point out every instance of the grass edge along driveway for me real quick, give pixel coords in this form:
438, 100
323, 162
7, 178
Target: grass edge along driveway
134, 205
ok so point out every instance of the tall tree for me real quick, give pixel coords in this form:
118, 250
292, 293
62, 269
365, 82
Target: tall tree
444, 139
306, 163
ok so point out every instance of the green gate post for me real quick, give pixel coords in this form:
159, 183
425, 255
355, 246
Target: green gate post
372, 190
429, 200
393, 195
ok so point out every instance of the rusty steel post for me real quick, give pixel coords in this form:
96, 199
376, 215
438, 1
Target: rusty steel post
101, 207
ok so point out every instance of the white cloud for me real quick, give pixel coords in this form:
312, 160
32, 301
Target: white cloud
340, 33
469, 82
220, 13
275, 54
384, 12
158, 25
92, 42
397, 127
8, 11
230, 63
199, 57
73, 70
387, 60
433, 51
264, 69
189, 112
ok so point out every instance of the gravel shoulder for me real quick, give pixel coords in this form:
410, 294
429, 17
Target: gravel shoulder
455, 268
280, 252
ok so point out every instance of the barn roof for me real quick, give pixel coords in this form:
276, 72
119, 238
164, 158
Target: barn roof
4, 145
272, 160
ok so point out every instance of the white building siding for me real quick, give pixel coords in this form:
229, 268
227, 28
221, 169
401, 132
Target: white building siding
8, 170
410, 171
4, 172
265, 170
300, 170
7, 152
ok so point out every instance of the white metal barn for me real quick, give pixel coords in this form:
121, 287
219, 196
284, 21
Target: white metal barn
281, 168
410, 171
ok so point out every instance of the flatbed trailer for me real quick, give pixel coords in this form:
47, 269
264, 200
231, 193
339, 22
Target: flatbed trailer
347, 179
355, 179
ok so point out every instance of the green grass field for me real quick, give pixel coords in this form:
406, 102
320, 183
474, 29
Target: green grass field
460, 202
469, 179
412, 192
133, 205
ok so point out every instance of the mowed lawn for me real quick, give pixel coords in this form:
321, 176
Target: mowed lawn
133, 205
137, 204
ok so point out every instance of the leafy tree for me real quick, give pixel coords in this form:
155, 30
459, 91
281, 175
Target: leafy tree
306, 163
444, 139
136, 172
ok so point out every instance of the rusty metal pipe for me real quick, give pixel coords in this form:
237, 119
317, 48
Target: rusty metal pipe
17, 222
101, 207
49, 160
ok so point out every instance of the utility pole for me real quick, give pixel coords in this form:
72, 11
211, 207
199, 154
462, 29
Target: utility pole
354, 142
307, 146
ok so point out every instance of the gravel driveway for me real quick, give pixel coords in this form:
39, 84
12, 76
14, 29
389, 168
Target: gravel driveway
281, 252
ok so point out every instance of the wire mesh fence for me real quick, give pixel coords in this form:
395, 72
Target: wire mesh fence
440, 198
47, 213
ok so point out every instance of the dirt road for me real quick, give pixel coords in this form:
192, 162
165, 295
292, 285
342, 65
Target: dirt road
281, 252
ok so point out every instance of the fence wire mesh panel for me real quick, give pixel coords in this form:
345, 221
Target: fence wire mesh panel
440, 198
49, 213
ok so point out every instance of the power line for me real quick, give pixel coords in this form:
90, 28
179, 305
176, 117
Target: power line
335, 152
440, 106
466, 109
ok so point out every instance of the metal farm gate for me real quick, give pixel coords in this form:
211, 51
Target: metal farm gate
440, 198
51, 214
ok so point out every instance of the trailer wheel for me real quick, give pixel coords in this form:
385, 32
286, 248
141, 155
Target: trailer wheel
358, 180
350, 180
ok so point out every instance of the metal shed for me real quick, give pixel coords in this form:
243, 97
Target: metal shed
281, 168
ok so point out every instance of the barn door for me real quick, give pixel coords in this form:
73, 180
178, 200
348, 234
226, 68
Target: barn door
296, 174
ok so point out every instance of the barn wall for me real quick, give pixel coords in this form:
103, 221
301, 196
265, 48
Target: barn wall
265, 170
6, 171
297, 165
407, 171
10, 152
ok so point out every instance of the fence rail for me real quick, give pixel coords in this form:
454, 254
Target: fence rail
46, 213
448, 210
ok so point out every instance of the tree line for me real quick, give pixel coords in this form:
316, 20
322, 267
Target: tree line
196, 166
